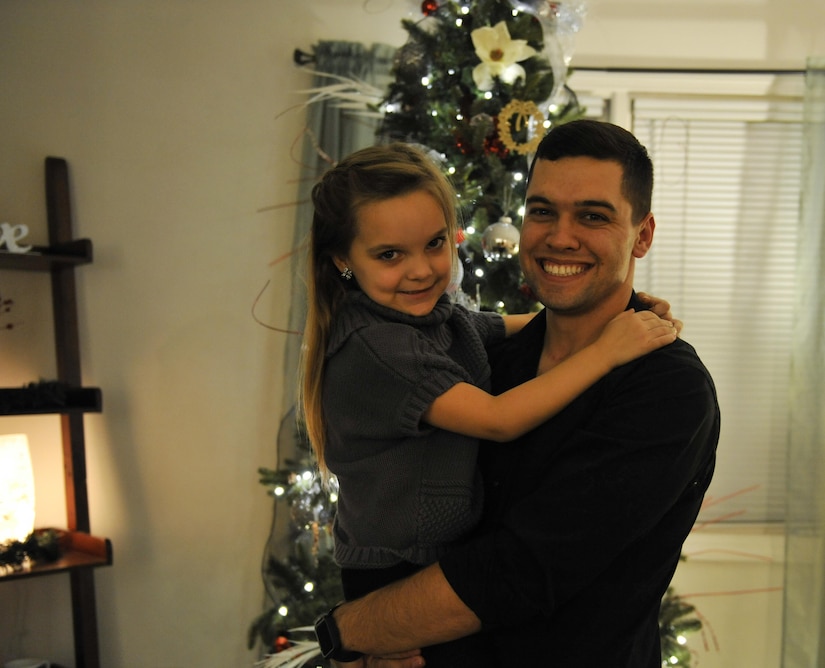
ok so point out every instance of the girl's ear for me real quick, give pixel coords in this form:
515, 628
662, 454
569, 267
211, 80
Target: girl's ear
340, 263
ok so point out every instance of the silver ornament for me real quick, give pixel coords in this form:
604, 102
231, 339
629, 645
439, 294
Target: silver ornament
500, 240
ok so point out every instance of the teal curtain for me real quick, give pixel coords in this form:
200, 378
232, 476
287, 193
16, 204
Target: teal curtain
331, 133
804, 604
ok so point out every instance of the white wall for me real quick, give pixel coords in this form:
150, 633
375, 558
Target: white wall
167, 111
746, 34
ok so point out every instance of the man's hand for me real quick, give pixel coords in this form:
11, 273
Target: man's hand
661, 308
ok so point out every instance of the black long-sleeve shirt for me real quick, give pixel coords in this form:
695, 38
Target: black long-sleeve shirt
585, 516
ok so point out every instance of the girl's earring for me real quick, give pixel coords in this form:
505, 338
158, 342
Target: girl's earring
346, 274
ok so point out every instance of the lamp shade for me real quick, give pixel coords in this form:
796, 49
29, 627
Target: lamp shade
16, 488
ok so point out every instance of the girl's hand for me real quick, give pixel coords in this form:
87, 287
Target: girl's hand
661, 308
632, 334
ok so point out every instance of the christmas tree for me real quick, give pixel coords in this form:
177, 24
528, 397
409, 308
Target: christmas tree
676, 620
478, 83
299, 573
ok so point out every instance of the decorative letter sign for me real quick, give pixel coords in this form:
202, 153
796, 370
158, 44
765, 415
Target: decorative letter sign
11, 234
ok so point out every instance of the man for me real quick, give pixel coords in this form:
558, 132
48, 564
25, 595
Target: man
586, 515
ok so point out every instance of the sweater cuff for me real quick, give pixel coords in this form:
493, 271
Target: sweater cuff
431, 387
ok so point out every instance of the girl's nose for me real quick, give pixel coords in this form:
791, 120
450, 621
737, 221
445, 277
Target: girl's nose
419, 267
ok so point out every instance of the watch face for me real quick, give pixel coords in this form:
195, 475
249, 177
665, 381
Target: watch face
329, 640
324, 635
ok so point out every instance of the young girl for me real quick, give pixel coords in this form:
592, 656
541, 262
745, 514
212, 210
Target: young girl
395, 377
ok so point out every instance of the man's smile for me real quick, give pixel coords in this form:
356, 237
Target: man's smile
556, 269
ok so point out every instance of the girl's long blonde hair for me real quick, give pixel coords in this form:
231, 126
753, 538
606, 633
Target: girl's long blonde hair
372, 174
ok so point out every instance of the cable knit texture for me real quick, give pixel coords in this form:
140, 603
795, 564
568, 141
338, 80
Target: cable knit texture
407, 489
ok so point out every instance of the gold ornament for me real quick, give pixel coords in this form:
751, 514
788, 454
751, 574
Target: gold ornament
515, 115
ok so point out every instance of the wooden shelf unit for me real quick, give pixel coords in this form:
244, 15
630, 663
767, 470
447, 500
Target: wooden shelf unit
81, 552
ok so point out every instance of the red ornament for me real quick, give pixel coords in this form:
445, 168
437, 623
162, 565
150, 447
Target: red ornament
429, 7
493, 144
527, 291
282, 643
459, 237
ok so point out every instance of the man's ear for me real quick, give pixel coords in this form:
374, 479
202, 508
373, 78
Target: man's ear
644, 236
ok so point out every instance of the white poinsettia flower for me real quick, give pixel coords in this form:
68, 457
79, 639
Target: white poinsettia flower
499, 55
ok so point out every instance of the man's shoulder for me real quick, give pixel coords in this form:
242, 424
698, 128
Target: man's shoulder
679, 354
673, 373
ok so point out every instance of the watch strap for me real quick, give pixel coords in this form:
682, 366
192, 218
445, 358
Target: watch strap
329, 638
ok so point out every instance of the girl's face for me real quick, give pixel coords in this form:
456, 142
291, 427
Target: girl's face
401, 256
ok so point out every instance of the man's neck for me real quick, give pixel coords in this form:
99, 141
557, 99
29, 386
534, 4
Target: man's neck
567, 334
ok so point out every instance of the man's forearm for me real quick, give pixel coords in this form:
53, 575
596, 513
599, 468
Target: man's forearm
418, 611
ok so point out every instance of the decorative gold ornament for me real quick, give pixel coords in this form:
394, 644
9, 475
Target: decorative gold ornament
515, 115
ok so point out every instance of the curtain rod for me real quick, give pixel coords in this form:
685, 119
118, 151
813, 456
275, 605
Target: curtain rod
303, 58
681, 70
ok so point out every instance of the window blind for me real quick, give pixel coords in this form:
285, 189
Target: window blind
726, 205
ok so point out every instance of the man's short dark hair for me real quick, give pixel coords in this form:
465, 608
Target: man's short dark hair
604, 141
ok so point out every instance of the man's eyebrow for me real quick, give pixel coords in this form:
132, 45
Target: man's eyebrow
600, 203
537, 199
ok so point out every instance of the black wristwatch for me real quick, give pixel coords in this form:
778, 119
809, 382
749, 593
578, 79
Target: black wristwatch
329, 639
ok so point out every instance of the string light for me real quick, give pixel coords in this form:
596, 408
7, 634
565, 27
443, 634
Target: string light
283, 611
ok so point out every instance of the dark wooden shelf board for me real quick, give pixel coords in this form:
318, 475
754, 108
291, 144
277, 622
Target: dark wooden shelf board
26, 401
42, 258
78, 550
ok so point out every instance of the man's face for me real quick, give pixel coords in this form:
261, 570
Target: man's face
578, 239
